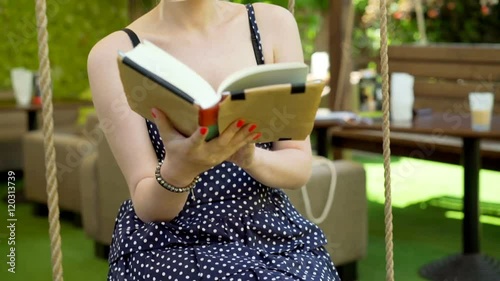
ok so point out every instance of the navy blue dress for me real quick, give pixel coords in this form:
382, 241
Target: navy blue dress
232, 228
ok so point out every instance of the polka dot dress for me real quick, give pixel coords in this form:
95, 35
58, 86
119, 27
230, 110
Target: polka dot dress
233, 228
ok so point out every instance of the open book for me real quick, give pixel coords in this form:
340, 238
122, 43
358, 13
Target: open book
276, 97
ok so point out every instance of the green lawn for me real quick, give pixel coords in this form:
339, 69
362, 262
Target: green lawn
415, 181
424, 229
427, 198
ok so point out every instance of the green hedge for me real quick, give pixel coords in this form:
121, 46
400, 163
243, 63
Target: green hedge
74, 27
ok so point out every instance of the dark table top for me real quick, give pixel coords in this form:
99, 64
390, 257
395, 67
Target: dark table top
444, 123
12, 106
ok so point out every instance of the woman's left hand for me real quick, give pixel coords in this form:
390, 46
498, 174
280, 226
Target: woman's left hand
244, 157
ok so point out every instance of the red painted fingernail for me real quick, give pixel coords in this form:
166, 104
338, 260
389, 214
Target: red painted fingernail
257, 136
240, 123
252, 128
153, 113
203, 131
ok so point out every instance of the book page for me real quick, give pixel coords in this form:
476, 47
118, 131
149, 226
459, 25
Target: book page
167, 67
265, 75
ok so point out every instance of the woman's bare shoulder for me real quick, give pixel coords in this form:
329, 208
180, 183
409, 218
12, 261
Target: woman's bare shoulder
279, 30
273, 14
274, 20
110, 45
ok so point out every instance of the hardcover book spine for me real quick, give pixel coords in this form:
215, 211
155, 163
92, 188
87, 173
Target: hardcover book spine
153, 77
208, 118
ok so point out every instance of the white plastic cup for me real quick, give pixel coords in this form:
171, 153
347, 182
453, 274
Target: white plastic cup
481, 107
22, 84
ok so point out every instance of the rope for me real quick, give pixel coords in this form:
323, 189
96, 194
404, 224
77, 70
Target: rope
421, 21
291, 6
48, 131
384, 61
331, 192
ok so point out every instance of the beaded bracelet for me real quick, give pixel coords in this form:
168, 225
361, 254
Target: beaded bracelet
170, 187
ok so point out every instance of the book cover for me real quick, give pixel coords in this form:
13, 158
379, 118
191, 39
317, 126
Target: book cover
277, 98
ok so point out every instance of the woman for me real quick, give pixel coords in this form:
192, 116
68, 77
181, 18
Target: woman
220, 213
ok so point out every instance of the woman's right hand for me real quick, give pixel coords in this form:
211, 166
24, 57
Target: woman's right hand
187, 157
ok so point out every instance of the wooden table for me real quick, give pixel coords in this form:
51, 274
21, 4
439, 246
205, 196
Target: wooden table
32, 110
470, 264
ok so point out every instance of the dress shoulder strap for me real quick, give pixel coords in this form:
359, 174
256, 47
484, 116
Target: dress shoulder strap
254, 30
133, 37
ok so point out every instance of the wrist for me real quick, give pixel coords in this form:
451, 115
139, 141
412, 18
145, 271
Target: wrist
175, 175
255, 160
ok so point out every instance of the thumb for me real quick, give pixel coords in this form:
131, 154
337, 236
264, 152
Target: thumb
165, 126
198, 137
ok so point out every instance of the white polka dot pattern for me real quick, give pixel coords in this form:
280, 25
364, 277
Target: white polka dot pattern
234, 228
256, 34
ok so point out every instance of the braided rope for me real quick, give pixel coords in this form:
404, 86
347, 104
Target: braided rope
421, 21
291, 6
48, 131
384, 61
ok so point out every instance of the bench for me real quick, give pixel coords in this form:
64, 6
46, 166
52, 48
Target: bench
444, 76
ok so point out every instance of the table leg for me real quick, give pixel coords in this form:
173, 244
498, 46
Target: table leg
472, 166
470, 265
32, 120
322, 142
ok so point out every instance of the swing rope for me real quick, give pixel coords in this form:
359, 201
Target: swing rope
48, 132
50, 163
291, 6
384, 62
